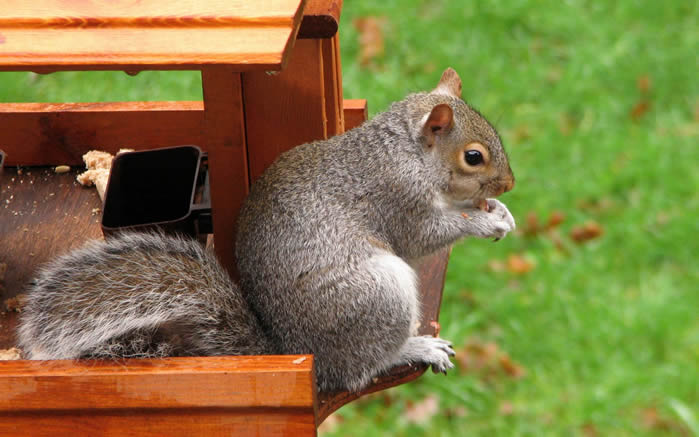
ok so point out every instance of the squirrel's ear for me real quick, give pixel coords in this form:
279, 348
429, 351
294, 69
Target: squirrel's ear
439, 122
450, 83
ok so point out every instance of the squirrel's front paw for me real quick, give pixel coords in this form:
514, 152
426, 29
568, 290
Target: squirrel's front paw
496, 222
504, 222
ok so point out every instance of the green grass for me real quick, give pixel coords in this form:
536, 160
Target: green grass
607, 331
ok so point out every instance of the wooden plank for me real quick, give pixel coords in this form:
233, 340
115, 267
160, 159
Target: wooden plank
321, 19
224, 127
286, 109
355, 112
158, 423
51, 134
431, 271
51, 35
260, 395
271, 381
93, 13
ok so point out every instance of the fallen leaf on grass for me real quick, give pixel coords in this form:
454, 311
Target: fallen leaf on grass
531, 228
510, 367
422, 411
371, 44
640, 109
652, 419
519, 265
588, 231
589, 430
643, 83
488, 359
555, 219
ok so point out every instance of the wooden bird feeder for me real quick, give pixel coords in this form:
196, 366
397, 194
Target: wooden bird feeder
246, 119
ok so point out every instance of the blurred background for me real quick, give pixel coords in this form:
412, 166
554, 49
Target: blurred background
584, 322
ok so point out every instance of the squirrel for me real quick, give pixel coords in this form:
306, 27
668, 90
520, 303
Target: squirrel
325, 245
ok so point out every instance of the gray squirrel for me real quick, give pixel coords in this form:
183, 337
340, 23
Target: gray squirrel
325, 243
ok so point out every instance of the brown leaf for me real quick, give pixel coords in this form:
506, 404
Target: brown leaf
652, 419
640, 109
589, 430
477, 356
518, 265
555, 219
510, 367
586, 232
422, 411
644, 84
371, 44
531, 228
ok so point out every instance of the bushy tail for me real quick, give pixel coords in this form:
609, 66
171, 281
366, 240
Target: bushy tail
137, 295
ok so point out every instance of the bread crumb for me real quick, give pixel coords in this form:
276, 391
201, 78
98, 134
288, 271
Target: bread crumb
12, 353
16, 303
98, 165
95, 159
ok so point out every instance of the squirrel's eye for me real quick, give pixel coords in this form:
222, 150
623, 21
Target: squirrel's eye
473, 157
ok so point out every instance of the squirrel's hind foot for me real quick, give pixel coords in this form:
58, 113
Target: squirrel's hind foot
429, 350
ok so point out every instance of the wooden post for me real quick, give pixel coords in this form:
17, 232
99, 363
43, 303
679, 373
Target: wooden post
224, 133
285, 109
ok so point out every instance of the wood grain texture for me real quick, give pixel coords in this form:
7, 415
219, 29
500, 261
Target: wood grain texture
321, 19
57, 34
259, 395
42, 215
286, 109
52, 134
187, 382
225, 141
355, 112
60, 133
431, 272
158, 423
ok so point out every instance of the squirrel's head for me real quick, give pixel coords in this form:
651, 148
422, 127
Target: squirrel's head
464, 143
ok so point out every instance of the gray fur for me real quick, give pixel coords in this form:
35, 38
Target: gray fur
138, 295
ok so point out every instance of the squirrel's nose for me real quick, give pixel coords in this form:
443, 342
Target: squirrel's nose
509, 184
